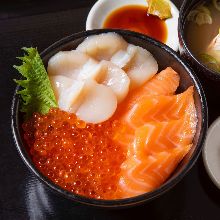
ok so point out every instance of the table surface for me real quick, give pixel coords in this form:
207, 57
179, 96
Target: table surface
22, 196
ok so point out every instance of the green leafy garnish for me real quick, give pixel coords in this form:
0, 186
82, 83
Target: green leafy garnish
200, 15
37, 93
210, 61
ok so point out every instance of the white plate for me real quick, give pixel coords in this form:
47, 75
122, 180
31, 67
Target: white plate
102, 8
211, 152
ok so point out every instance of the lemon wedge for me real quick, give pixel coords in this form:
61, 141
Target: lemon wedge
160, 8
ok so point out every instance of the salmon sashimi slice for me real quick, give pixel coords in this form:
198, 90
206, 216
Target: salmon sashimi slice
158, 108
124, 135
158, 128
164, 83
157, 149
141, 175
155, 108
155, 137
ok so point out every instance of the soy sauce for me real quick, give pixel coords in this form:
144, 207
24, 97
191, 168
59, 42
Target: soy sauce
136, 18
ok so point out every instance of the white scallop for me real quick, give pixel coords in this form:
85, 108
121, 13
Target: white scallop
71, 97
115, 78
99, 103
102, 46
90, 70
123, 57
141, 67
70, 63
60, 83
90, 101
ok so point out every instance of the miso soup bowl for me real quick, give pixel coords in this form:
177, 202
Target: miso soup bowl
202, 71
165, 57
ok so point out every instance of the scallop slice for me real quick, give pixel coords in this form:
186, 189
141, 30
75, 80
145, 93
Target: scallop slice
102, 46
123, 57
60, 83
70, 63
90, 70
115, 78
90, 101
71, 97
141, 67
99, 103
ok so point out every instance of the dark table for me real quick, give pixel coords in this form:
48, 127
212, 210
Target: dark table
22, 196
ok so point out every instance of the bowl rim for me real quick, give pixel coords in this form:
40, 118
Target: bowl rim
184, 10
172, 30
212, 129
118, 203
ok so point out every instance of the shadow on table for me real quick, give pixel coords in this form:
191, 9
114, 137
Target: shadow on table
210, 189
41, 203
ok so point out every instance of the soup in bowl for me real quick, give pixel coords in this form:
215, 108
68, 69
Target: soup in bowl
199, 36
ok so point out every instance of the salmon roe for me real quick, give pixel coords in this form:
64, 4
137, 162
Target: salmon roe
81, 158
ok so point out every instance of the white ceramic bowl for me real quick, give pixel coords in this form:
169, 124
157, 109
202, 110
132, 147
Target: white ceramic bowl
102, 8
211, 152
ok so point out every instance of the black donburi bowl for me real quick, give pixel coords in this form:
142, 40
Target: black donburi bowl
165, 57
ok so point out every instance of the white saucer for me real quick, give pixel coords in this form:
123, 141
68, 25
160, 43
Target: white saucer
211, 152
102, 8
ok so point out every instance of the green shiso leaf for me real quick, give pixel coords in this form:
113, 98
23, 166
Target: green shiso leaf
37, 94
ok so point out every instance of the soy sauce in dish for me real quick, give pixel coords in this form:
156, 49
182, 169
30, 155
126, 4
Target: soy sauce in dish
136, 18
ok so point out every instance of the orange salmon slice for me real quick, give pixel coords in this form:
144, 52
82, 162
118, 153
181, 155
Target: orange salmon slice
157, 130
158, 108
142, 175
164, 83
155, 137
